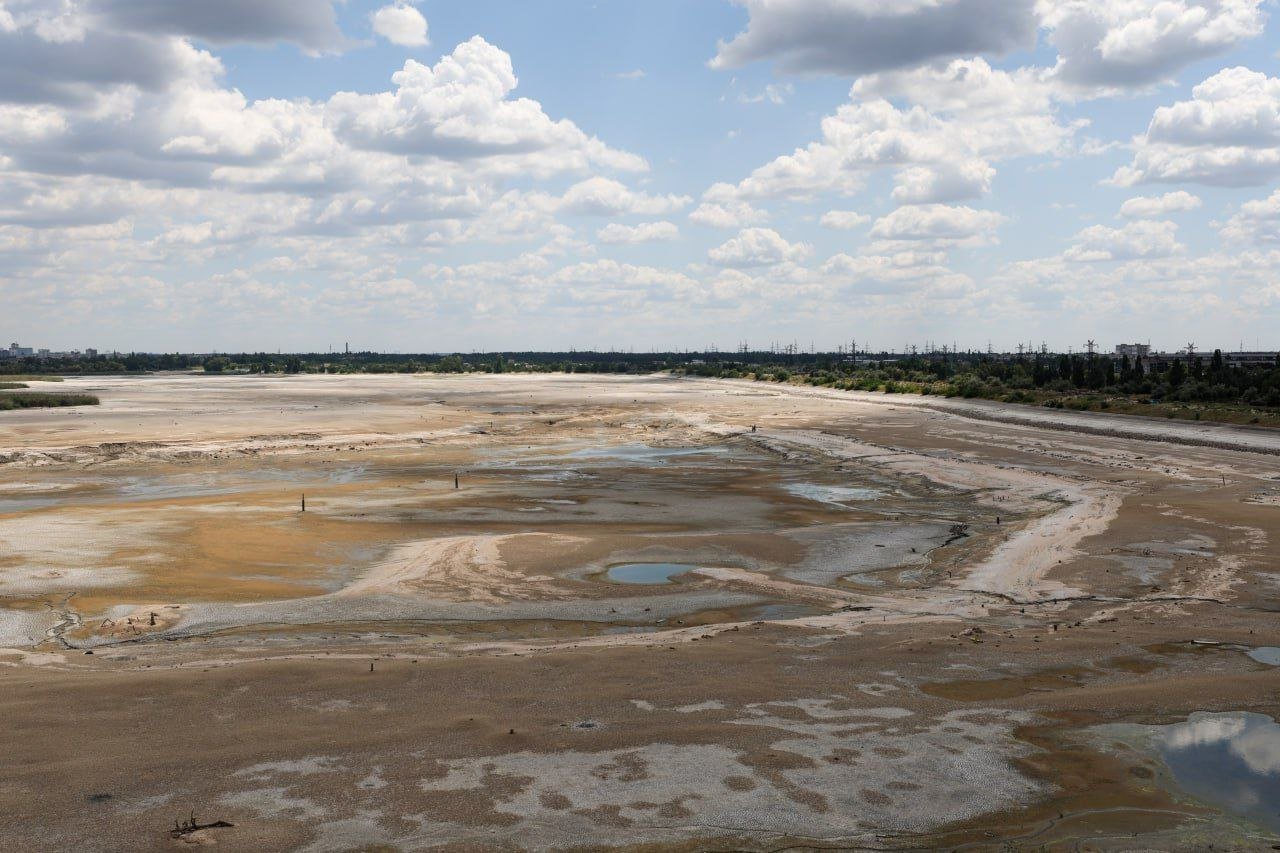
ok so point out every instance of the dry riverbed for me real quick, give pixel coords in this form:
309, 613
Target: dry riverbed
556, 612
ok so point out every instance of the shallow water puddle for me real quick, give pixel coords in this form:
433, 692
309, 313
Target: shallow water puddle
644, 453
1229, 760
647, 573
835, 495
181, 486
26, 504
1270, 655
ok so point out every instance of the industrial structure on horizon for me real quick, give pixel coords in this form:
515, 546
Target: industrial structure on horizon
17, 351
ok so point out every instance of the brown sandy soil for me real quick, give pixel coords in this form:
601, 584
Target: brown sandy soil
899, 625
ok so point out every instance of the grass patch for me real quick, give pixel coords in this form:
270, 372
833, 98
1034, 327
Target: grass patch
20, 400
9, 385
29, 377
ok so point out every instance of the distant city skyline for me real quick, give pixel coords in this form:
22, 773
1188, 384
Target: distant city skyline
415, 177
1136, 349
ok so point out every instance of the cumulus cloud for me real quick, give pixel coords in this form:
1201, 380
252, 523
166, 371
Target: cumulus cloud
1129, 43
460, 108
1227, 134
721, 208
1257, 221
1141, 239
977, 115
939, 223
52, 54
308, 159
862, 36
1155, 207
600, 196
311, 24
843, 220
773, 93
400, 23
80, 52
889, 274
758, 247
945, 182
645, 232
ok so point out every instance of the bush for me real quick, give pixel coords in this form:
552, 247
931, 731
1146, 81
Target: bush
21, 400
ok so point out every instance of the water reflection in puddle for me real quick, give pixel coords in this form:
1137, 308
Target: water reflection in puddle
647, 573
1230, 760
1270, 655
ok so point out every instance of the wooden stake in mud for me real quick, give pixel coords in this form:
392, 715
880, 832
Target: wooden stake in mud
455, 479
304, 503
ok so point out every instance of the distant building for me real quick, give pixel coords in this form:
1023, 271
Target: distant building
90, 352
16, 351
1250, 359
1134, 351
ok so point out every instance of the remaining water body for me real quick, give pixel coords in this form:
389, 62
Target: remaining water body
647, 573
25, 504
1230, 760
180, 486
643, 454
1270, 655
836, 495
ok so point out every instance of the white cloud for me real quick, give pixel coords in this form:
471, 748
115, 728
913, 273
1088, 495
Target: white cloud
1257, 221
862, 36
940, 224
600, 196
843, 220
311, 24
402, 24
1141, 239
946, 182
645, 232
1155, 207
968, 86
721, 208
979, 115
1228, 134
758, 247
1130, 43
773, 93
460, 108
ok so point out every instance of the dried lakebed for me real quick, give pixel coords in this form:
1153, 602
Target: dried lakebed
647, 610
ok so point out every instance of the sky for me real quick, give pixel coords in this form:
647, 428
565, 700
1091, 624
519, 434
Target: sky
297, 175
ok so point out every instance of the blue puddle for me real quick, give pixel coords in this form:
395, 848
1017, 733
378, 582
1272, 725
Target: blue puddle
1229, 760
647, 573
1270, 655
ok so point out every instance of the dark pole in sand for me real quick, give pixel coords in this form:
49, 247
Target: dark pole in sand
455, 479
304, 503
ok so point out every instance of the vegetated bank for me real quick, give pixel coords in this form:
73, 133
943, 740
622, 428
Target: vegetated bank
10, 400
1193, 386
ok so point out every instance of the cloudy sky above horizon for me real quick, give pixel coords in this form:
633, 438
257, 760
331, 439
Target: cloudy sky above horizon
429, 176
